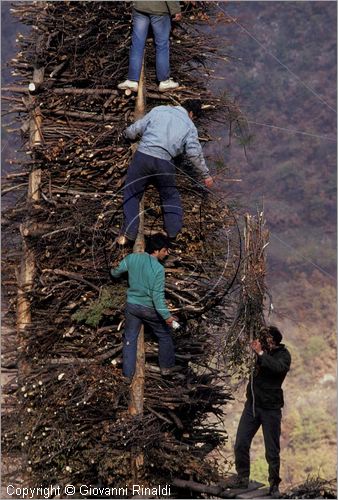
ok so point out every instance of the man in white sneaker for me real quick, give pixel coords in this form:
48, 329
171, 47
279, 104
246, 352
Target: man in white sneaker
158, 15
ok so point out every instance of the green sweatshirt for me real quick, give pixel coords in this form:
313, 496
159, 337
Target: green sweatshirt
158, 8
146, 281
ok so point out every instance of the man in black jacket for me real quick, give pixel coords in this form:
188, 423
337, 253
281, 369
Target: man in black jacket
263, 408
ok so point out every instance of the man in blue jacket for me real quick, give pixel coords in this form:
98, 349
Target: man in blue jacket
166, 132
146, 304
263, 408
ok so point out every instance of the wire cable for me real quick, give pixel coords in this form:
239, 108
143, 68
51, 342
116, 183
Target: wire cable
303, 256
310, 89
294, 131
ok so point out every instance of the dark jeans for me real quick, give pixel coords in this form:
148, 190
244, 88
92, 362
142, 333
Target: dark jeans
144, 170
161, 26
270, 420
136, 315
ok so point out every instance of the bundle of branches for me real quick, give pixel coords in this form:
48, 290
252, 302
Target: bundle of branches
67, 404
314, 487
249, 322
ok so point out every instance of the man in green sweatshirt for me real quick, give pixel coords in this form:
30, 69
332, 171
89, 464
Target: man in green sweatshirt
158, 15
146, 304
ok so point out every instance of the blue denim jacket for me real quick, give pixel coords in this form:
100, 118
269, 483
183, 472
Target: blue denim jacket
167, 131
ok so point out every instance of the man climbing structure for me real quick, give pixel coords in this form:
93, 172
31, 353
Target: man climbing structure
158, 15
166, 132
263, 408
146, 304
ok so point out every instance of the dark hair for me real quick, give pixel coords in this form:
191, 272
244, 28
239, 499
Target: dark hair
275, 334
193, 105
157, 242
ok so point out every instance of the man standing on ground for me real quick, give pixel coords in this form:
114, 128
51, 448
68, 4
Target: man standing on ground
158, 15
263, 408
146, 304
166, 132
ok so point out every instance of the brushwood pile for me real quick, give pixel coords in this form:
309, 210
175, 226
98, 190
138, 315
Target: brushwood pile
66, 414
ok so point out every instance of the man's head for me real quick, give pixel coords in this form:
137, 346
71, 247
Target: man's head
273, 337
194, 108
158, 246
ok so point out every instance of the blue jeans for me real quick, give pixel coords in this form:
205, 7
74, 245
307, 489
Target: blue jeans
161, 28
135, 316
143, 170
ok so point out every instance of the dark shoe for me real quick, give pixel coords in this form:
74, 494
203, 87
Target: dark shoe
172, 239
274, 491
127, 380
237, 482
166, 371
170, 371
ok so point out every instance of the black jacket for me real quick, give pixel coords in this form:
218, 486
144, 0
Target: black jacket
271, 370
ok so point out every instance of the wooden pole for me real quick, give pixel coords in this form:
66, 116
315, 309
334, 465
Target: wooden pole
25, 277
140, 104
137, 385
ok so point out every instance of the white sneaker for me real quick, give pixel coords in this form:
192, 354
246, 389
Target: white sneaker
128, 84
167, 85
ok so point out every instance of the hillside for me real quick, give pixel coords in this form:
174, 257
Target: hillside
284, 76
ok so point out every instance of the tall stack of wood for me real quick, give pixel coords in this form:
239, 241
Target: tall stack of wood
67, 413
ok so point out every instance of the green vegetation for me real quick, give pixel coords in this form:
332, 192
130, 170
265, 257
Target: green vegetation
259, 467
297, 466
110, 302
315, 347
306, 424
